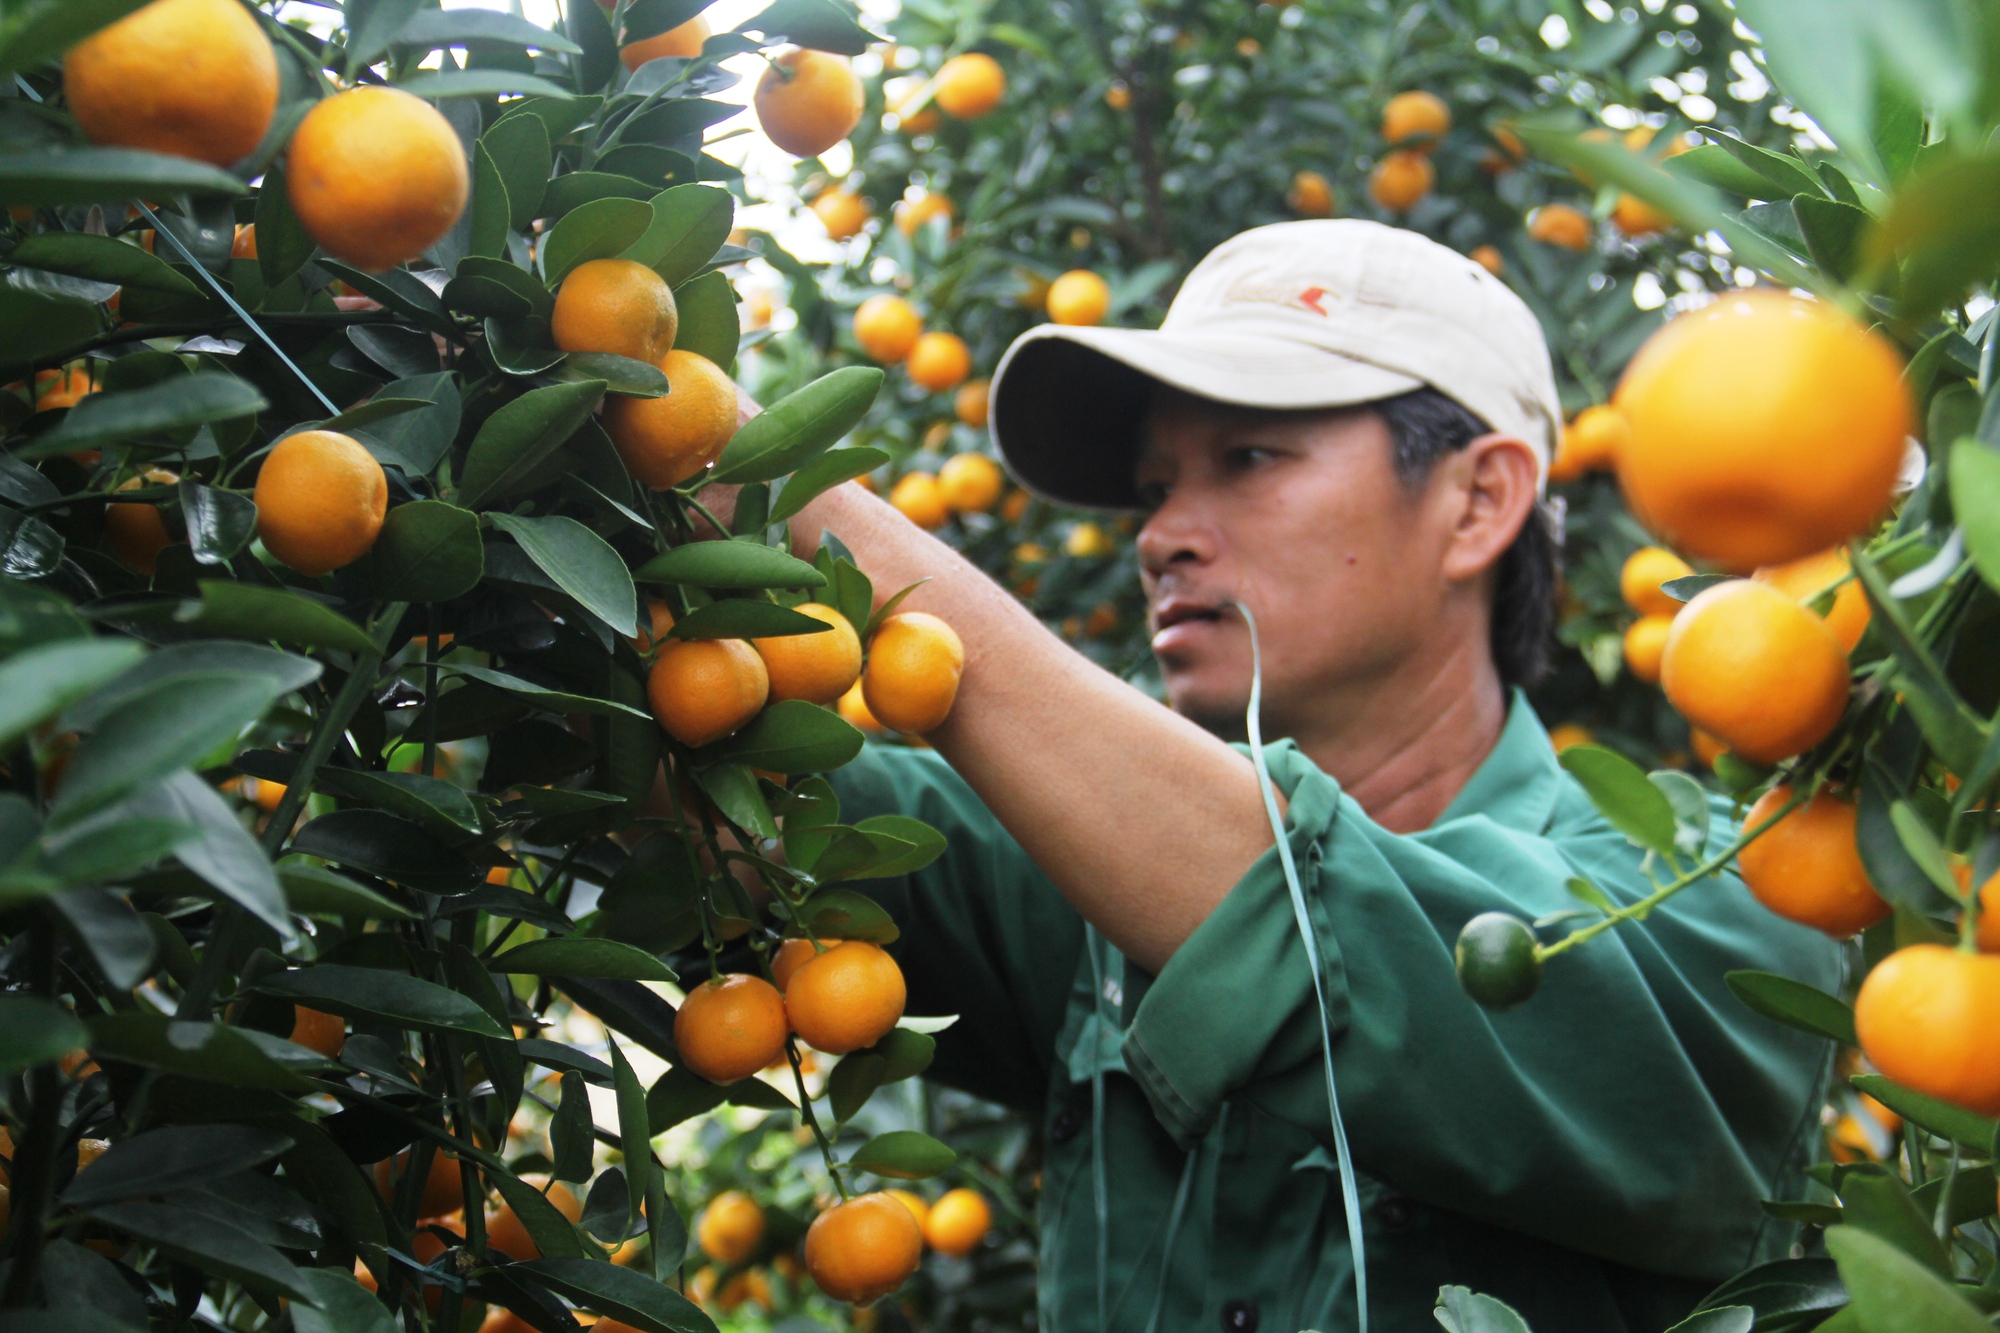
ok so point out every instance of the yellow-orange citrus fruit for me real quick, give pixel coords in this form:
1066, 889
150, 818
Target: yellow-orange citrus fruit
659, 619
62, 388
1807, 867
195, 78
444, 1188
704, 689
792, 955
919, 1207
970, 483
244, 246
912, 214
1400, 179
1088, 541
1987, 928
863, 1249
969, 86
1765, 428
1645, 645
136, 533
748, 1286
265, 794
730, 1027
1415, 115
1118, 97
853, 707
731, 1228
958, 1222
1488, 258
1561, 225
615, 305
1310, 196
887, 327
972, 402
817, 668
321, 499
1929, 1017
377, 176
1510, 142
1566, 734
939, 361
1636, 218
921, 499
808, 101
1756, 670
1706, 747
683, 41
842, 213
846, 998
1590, 443
506, 1232
1079, 297
1640, 579
665, 441
897, 97
1806, 579
317, 1031
914, 664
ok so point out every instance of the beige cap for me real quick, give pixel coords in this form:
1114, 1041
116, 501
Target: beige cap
1294, 315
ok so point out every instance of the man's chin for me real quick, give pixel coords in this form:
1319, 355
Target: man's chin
1213, 705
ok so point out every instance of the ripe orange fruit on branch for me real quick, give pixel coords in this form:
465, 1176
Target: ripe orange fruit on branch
1589, 443
817, 668
863, 1249
1561, 225
972, 402
792, 955
808, 101
1640, 579
1645, 645
1929, 1017
704, 689
912, 214
1636, 218
957, 1222
730, 1027
842, 213
914, 664
61, 388
136, 533
195, 78
443, 1191
615, 305
317, 1031
887, 328
321, 499
1415, 115
1756, 670
970, 85
846, 998
1807, 867
853, 708
506, 1232
1806, 579
939, 362
665, 441
731, 1228
244, 246
1765, 428
684, 40
920, 499
1079, 297
1310, 195
1488, 258
1400, 179
377, 176
970, 483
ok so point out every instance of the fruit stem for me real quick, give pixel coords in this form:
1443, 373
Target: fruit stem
702, 509
812, 1121
1544, 952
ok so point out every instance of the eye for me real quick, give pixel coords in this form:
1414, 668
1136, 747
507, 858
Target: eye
1153, 494
1247, 457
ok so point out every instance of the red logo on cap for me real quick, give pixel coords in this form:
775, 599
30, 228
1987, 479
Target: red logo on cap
1309, 298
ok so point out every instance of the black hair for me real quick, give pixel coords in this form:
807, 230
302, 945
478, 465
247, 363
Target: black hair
1424, 426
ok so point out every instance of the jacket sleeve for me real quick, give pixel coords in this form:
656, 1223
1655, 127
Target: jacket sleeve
985, 935
1633, 1109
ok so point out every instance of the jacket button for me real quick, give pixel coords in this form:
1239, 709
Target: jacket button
1067, 1124
1239, 1317
1395, 1214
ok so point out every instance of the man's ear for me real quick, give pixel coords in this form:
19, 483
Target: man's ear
1495, 491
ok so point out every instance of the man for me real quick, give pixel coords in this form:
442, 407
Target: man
1344, 428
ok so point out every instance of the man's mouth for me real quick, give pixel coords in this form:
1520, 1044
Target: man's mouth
1183, 610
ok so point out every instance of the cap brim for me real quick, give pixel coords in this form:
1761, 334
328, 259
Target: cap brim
1068, 403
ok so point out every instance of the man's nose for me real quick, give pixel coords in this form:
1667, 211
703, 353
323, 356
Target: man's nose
1177, 534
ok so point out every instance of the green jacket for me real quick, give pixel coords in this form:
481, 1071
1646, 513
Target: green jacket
1595, 1157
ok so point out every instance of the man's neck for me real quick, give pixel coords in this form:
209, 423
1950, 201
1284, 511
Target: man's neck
1403, 747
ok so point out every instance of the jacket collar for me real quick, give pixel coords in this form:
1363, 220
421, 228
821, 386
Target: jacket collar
1518, 784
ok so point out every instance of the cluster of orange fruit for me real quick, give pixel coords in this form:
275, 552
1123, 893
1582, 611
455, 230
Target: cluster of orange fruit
1412, 124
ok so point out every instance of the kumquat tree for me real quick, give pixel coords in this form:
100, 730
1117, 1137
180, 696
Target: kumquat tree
422, 902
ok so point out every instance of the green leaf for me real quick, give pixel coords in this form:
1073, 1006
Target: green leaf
600, 229
441, 808
283, 243
214, 1051
114, 417
1952, 729
75, 175
927, 844
744, 618
433, 28
634, 1132
710, 326
1975, 500
172, 1157
790, 737
399, 289
223, 853
345, 1306
582, 564
689, 224
1956, 1123
519, 147
497, 287
903, 1154
100, 259
730, 564
32, 31
798, 427
1833, 232
315, 891
578, 956
852, 1082
570, 1141
428, 551
34, 1031
243, 610
1941, 231
553, 701
169, 726
378, 843
203, 1242
905, 1053
40, 329
822, 475
818, 24
1621, 793
1922, 846
484, 81
1689, 800
553, 1234
609, 1289
1688, 586
37, 684
220, 524
372, 994
574, 189
492, 212
843, 914
1461, 1310
733, 788
515, 440
1795, 1004
1876, 1201
1894, 1293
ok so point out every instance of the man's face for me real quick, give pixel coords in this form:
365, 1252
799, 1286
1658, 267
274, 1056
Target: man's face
1301, 516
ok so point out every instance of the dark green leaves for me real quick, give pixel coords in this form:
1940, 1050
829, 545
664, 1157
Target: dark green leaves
1462, 1310
689, 224
1975, 501
582, 564
170, 1158
371, 993
379, 843
39, 30
1894, 1293
601, 229
207, 1244
744, 618
791, 737
429, 551
730, 564
514, 440
709, 325
579, 956
244, 610
1969, 1128
1621, 793
164, 728
75, 175
345, 1306
1942, 231
1795, 1004
100, 259
131, 414
818, 24
798, 427
823, 474
41, 682
903, 1154
622, 1294
35, 1031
